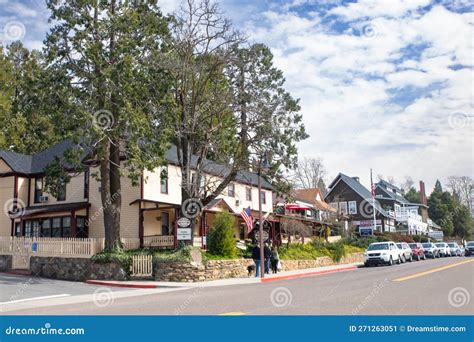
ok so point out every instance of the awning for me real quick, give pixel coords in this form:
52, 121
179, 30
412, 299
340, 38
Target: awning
43, 209
297, 206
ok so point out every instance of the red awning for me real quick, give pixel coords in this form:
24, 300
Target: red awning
296, 206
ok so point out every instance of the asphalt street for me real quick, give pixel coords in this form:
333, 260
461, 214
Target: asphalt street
432, 287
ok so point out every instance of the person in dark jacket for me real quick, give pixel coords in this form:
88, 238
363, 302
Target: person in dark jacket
267, 252
256, 259
275, 259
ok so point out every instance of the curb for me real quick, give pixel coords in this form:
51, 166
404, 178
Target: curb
132, 286
308, 274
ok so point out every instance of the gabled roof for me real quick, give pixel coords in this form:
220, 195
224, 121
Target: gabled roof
386, 184
392, 196
35, 164
357, 187
310, 195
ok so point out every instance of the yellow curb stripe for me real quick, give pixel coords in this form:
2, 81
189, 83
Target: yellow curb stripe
232, 314
416, 275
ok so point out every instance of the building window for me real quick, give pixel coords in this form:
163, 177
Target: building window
28, 228
248, 194
263, 198
165, 223
18, 229
81, 227
46, 228
66, 227
56, 231
231, 190
352, 207
164, 180
343, 208
86, 183
38, 189
61, 191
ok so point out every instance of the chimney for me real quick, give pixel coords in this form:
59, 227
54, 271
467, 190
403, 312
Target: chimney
423, 194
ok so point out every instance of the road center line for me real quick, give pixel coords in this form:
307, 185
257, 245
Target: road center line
438, 269
35, 298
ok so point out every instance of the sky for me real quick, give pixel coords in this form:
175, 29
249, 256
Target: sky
384, 84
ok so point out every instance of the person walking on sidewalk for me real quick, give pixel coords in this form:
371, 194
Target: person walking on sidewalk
267, 252
256, 259
275, 259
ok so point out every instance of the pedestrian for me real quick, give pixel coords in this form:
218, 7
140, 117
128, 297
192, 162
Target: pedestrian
256, 259
275, 259
267, 252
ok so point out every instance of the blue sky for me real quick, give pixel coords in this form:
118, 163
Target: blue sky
383, 84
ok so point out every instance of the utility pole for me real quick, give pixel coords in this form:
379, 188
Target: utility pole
260, 220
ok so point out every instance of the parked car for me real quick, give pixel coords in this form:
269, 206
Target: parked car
430, 250
455, 249
382, 253
444, 249
469, 249
407, 254
417, 251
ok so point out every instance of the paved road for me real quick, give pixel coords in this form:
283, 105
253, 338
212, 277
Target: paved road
432, 287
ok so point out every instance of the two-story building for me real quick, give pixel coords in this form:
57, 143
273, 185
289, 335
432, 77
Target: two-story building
149, 211
349, 197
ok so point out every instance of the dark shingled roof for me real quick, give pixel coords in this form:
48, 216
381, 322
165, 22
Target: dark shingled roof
27, 164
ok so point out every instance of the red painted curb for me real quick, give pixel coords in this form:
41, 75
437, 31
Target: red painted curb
133, 286
301, 275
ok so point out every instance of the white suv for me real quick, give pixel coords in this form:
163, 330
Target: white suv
382, 253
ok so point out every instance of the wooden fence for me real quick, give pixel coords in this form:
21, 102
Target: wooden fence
158, 241
142, 266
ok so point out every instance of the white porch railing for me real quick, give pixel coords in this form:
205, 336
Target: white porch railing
158, 241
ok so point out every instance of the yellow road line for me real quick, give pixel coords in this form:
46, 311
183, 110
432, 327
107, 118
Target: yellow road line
416, 275
232, 314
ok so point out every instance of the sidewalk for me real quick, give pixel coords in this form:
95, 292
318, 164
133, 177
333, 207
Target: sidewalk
148, 284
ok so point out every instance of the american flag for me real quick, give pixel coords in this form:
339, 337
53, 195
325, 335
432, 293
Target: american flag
247, 216
372, 185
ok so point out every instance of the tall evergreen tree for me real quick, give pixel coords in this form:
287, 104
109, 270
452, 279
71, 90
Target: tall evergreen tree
107, 54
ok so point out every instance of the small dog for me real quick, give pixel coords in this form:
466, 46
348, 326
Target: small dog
250, 269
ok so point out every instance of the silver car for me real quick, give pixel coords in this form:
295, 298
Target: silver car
444, 249
455, 249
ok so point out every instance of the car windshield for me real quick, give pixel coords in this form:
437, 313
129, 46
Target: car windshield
378, 246
427, 245
399, 245
451, 245
470, 244
439, 244
412, 245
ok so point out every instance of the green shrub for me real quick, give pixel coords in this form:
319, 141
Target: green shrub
119, 257
300, 252
336, 251
221, 240
180, 255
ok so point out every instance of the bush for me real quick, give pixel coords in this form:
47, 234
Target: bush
118, 257
221, 240
180, 255
300, 252
336, 251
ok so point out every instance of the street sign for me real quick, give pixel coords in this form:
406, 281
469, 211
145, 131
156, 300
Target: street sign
183, 234
34, 247
184, 222
365, 231
265, 235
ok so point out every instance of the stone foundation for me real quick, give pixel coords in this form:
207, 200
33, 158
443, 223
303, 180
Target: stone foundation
75, 269
5, 263
222, 269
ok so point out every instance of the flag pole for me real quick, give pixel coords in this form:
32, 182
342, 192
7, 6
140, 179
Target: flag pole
372, 188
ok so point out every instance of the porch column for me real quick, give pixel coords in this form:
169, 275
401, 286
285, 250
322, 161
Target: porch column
73, 224
175, 227
140, 224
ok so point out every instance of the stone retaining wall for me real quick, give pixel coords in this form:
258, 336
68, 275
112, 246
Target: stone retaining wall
5, 263
222, 269
75, 269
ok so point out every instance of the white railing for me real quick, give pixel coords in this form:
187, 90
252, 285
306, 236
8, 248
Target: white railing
158, 241
142, 265
66, 247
